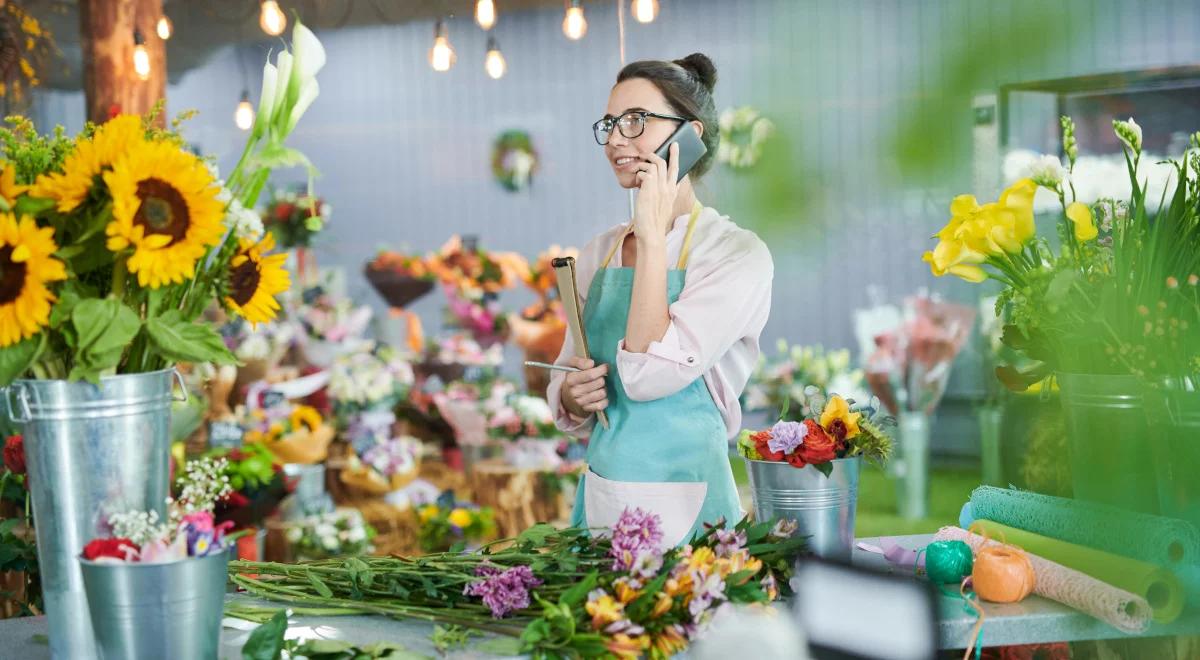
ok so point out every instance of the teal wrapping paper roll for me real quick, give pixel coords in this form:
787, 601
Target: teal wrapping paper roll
1166, 542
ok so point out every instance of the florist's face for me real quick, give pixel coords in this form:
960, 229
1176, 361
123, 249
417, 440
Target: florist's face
623, 153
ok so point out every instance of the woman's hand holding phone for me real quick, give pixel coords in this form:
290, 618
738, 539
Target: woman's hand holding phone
583, 391
656, 197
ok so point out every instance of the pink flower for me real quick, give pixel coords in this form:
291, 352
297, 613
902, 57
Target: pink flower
161, 552
201, 521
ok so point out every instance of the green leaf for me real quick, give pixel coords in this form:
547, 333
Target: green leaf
506, 646
824, 468
104, 327
180, 340
32, 205
320, 586
1060, 286
16, 359
8, 525
576, 594
266, 642
537, 534
458, 547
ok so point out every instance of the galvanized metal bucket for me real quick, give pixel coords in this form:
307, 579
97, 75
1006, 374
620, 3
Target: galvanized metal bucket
1106, 435
823, 507
170, 610
91, 450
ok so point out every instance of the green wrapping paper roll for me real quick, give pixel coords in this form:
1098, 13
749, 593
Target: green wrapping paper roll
1157, 585
1155, 539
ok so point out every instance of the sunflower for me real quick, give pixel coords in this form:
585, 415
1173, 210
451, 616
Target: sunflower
9, 189
165, 207
26, 267
255, 279
90, 158
305, 416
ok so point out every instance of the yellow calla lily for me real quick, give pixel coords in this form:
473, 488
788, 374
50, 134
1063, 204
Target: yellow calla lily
1081, 216
968, 272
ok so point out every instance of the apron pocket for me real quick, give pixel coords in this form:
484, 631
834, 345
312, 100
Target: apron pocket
677, 504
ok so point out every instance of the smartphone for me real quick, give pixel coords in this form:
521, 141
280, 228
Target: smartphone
691, 148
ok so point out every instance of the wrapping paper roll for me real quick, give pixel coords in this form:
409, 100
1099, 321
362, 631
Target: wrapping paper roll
1122, 610
1154, 539
1158, 586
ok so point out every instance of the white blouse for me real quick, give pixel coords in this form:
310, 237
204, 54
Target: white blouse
715, 323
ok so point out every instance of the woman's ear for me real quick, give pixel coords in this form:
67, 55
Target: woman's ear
699, 126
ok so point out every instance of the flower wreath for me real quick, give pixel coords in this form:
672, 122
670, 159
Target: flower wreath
743, 132
514, 160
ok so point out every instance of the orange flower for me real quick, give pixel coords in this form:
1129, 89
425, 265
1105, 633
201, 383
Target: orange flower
670, 641
627, 648
662, 605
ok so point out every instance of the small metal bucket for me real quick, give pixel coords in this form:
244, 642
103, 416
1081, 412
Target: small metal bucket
170, 610
91, 450
823, 507
1174, 420
1107, 431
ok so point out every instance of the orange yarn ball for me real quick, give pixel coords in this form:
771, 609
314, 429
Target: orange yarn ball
1003, 574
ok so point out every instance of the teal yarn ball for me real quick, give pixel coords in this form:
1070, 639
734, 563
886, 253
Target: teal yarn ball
948, 561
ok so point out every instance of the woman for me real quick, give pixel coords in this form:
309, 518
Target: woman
675, 302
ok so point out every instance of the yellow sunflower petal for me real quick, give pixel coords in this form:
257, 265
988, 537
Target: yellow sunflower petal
26, 267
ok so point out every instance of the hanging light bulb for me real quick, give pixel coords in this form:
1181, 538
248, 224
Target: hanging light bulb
485, 13
494, 64
574, 24
271, 18
164, 28
141, 58
644, 11
244, 115
441, 56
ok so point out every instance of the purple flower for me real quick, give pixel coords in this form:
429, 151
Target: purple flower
637, 532
503, 591
787, 436
729, 542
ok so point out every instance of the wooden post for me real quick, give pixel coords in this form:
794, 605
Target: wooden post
109, 80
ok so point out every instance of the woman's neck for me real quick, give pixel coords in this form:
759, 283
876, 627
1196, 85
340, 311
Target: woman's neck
685, 200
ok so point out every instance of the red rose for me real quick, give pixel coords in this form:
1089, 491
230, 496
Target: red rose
115, 548
796, 458
14, 454
818, 447
235, 500
760, 443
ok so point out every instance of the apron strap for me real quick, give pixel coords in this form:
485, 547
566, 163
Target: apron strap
684, 251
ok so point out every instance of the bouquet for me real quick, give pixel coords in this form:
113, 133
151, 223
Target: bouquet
188, 531
560, 593
114, 242
331, 327
404, 265
386, 466
472, 278
797, 376
265, 343
513, 416
908, 366
461, 349
838, 432
1116, 295
364, 381
341, 533
256, 482
293, 433
295, 218
449, 523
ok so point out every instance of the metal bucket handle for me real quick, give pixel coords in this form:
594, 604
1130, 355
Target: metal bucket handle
26, 413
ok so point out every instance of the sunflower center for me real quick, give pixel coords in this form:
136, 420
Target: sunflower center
243, 282
12, 276
163, 209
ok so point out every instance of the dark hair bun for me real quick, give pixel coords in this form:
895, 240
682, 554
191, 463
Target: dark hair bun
701, 68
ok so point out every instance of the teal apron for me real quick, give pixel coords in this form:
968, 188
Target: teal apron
670, 455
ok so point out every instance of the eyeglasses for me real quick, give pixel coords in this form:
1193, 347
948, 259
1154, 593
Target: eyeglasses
631, 124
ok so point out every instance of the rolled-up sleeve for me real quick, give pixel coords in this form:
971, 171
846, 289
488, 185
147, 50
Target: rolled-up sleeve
728, 301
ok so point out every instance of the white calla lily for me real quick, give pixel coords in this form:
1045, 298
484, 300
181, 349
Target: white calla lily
266, 99
308, 53
281, 110
308, 94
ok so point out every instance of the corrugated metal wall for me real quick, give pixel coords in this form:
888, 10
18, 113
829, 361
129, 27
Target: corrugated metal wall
404, 151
